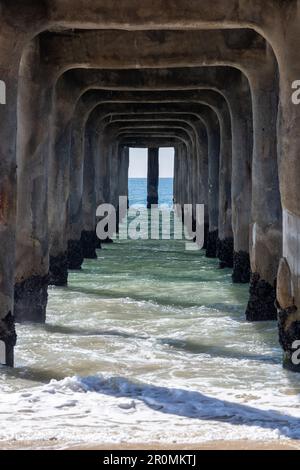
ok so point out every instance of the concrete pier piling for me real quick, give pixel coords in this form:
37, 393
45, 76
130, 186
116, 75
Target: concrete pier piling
78, 89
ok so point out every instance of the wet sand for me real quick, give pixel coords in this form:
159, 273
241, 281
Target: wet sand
211, 445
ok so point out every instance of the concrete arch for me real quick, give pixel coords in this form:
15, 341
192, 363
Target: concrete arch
126, 109
278, 22
64, 145
213, 100
106, 111
237, 98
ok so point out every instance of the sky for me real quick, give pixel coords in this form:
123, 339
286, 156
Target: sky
138, 163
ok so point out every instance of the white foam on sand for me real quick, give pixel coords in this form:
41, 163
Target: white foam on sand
105, 409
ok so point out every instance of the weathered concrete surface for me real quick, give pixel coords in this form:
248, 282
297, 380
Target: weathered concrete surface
73, 244
88, 236
235, 88
62, 143
75, 219
240, 107
60, 148
49, 44
139, 123
151, 49
154, 78
266, 238
220, 83
159, 98
148, 142
248, 62
54, 61
289, 144
123, 170
134, 109
288, 321
32, 258
152, 177
75, 255
9, 65
35, 16
8, 195
278, 21
209, 97
192, 172
214, 136
75, 252
225, 234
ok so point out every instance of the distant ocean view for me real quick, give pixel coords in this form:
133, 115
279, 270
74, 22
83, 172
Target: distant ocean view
138, 191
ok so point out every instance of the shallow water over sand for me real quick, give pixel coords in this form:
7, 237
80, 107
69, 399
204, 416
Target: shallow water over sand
148, 343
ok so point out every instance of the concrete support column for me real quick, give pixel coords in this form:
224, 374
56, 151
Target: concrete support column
242, 150
177, 167
60, 188
8, 197
188, 182
123, 170
200, 175
288, 278
113, 177
213, 130
184, 175
32, 244
88, 235
153, 177
190, 173
113, 173
175, 177
105, 171
225, 240
179, 175
179, 178
11, 47
75, 253
266, 236
58, 200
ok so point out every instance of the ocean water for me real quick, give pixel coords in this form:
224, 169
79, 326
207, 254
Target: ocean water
148, 343
137, 189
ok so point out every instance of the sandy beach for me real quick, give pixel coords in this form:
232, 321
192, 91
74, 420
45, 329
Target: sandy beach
210, 445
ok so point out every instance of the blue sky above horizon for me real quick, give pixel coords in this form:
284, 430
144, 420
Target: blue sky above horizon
138, 163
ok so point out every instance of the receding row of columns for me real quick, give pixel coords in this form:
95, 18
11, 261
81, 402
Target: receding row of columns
77, 100
152, 177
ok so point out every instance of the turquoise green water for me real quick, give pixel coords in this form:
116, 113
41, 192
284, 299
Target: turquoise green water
148, 343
